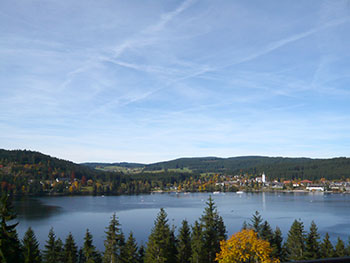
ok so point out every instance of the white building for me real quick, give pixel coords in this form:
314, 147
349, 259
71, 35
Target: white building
263, 178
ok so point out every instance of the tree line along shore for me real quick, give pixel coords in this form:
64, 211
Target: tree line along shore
33, 173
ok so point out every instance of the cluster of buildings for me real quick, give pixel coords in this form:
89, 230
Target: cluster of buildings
262, 182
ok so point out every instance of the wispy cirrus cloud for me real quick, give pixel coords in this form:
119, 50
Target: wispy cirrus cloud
136, 82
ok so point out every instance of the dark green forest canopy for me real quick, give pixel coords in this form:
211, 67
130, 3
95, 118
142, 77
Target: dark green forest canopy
45, 166
274, 167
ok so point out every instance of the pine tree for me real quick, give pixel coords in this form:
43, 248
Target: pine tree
312, 246
141, 254
173, 246
295, 243
213, 230
327, 250
30, 247
49, 254
159, 249
244, 225
89, 253
348, 248
60, 257
122, 251
256, 223
197, 243
112, 242
277, 246
70, 250
10, 247
131, 251
340, 249
184, 243
266, 232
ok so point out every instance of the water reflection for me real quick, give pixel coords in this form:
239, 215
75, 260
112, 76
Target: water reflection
31, 209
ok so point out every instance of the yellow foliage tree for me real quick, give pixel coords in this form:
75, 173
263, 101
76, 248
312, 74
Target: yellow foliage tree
245, 246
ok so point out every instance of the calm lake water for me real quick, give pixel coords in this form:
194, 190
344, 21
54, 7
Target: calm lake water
137, 213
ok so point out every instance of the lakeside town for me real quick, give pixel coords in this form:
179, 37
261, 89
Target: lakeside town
249, 183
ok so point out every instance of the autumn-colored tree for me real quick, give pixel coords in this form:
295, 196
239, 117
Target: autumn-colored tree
83, 180
245, 246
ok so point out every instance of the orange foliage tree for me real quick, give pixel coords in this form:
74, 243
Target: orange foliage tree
245, 246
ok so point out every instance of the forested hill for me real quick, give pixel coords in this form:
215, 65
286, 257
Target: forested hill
275, 167
35, 164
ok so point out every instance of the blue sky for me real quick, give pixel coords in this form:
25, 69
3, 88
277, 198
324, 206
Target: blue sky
146, 81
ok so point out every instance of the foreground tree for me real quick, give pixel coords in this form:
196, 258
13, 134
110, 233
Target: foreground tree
245, 246
213, 230
266, 232
89, 254
30, 247
197, 244
312, 245
130, 254
295, 244
277, 245
159, 248
184, 250
256, 223
113, 241
141, 254
327, 249
70, 250
10, 247
49, 253
340, 250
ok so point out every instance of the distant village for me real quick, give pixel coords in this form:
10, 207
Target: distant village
261, 183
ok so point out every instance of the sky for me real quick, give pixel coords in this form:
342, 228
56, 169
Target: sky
147, 81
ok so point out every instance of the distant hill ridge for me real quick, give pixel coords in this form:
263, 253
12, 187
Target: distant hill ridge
274, 167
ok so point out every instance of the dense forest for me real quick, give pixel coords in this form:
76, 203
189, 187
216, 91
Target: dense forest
203, 242
32, 173
275, 167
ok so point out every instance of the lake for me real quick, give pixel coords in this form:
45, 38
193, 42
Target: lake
137, 213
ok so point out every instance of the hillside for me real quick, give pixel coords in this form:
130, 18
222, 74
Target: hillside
275, 167
33, 164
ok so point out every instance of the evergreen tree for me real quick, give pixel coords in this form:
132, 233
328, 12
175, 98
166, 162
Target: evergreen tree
60, 257
173, 245
112, 242
184, 243
295, 244
213, 230
10, 247
340, 249
159, 247
256, 223
348, 248
141, 254
121, 244
244, 225
312, 245
327, 250
89, 253
276, 245
30, 247
197, 243
131, 251
70, 250
49, 254
266, 232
